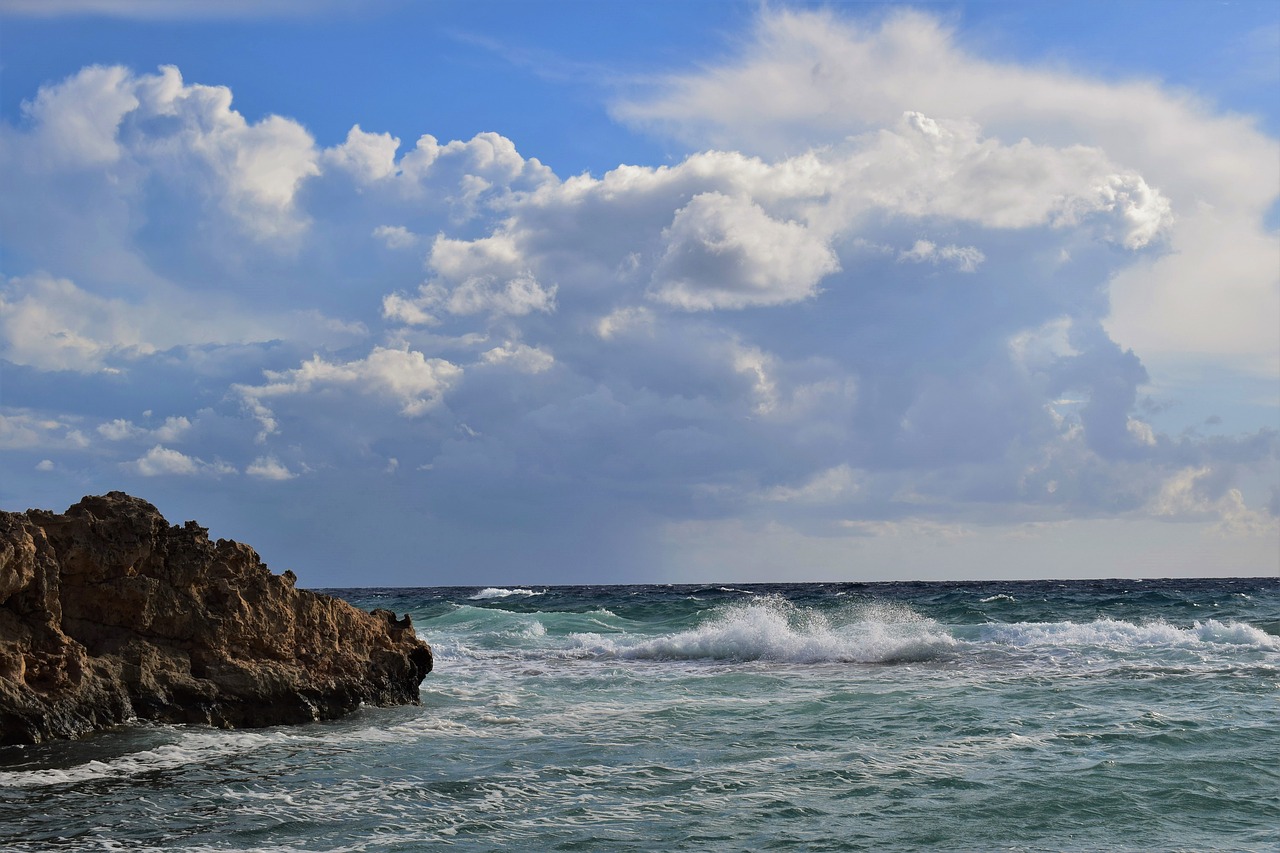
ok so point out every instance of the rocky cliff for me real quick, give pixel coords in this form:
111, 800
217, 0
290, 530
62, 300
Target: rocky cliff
107, 613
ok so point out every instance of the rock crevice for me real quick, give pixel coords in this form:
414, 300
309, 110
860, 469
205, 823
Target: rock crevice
108, 613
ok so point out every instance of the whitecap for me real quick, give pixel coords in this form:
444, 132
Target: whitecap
195, 746
772, 629
499, 592
1120, 635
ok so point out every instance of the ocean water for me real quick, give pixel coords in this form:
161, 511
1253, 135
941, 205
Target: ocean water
1031, 716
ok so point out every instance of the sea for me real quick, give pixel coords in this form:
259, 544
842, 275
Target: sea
986, 716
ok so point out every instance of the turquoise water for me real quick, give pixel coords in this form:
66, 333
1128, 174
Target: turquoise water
1045, 716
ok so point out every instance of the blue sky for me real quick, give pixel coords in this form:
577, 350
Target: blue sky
422, 293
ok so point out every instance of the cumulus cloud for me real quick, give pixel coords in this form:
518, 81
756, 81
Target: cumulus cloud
53, 324
485, 276
162, 461
269, 468
29, 430
395, 236
1188, 494
112, 117
724, 252
767, 333
401, 375
369, 156
521, 357
1205, 180
121, 429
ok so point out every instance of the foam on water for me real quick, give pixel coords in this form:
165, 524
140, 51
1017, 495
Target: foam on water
1119, 635
491, 592
772, 629
195, 745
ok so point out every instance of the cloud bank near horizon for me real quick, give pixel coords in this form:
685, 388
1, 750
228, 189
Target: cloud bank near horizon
924, 306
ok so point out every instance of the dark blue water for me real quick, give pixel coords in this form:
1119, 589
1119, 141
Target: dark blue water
1046, 716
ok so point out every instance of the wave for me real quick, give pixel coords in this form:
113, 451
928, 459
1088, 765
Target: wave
998, 597
195, 746
1118, 635
772, 629
498, 592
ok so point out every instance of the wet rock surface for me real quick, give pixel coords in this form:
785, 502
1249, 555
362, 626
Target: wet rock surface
108, 613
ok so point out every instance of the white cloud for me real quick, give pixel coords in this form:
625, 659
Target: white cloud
949, 168
516, 296
155, 125
521, 357
484, 276
722, 230
28, 430
52, 324
45, 465
724, 252
269, 468
469, 173
395, 236
118, 430
162, 461
832, 485
76, 122
121, 429
624, 320
1214, 298
368, 156
963, 258
407, 377
1142, 431
726, 337
1184, 496
1042, 347
411, 311
1207, 179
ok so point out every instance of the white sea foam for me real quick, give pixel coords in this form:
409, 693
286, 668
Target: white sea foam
1116, 634
771, 629
194, 747
991, 599
498, 592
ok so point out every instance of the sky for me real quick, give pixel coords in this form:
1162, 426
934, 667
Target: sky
412, 293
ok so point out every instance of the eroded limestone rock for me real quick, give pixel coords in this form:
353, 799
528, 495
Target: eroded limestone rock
108, 613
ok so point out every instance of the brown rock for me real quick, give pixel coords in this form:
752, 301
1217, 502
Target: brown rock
107, 613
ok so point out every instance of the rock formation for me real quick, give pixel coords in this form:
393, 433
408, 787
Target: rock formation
107, 613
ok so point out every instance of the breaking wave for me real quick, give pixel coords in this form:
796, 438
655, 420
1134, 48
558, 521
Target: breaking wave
1119, 635
772, 629
490, 592
195, 745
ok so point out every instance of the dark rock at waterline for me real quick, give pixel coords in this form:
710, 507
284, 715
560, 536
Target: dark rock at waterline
107, 613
